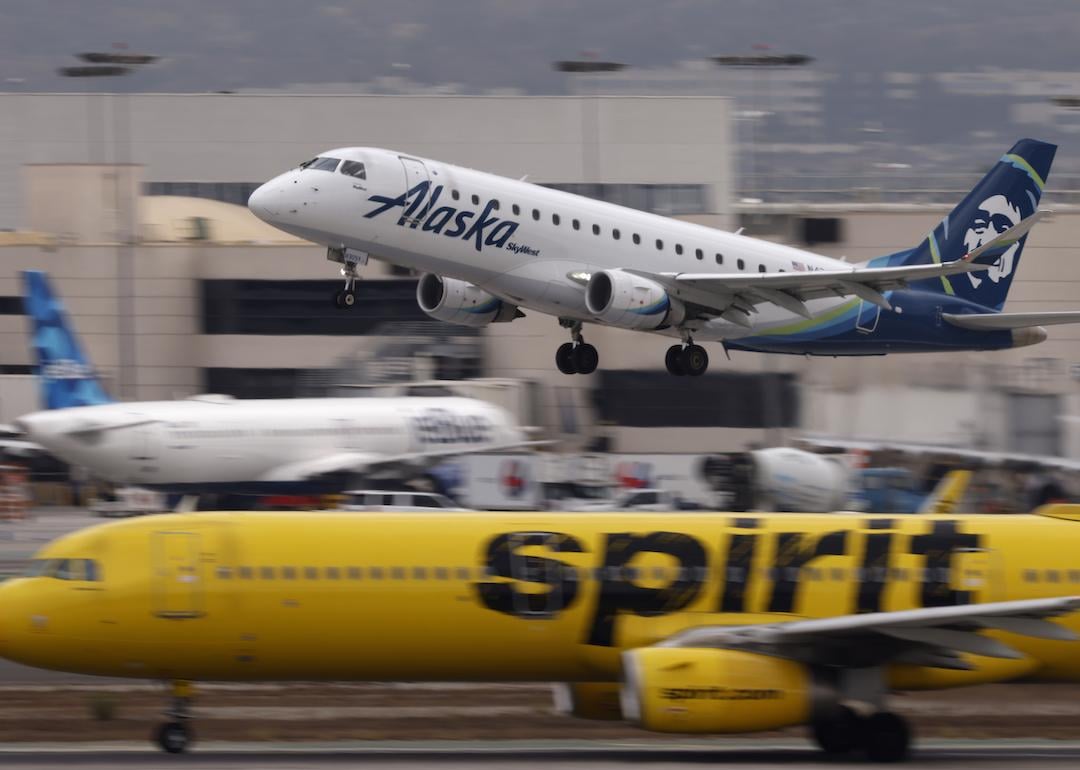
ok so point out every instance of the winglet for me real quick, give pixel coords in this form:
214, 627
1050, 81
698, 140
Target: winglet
998, 245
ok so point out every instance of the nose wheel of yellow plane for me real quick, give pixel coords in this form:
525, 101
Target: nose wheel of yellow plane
175, 735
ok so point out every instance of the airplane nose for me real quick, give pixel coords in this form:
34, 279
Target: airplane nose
263, 202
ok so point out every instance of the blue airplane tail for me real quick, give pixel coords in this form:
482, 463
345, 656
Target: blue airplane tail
1008, 193
66, 375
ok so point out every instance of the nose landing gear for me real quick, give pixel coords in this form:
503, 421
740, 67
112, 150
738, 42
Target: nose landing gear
350, 262
578, 356
174, 735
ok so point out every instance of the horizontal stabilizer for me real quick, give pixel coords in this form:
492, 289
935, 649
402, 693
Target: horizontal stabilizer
991, 321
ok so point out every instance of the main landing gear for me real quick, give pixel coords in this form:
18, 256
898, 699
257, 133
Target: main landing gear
174, 735
882, 736
578, 356
687, 359
350, 262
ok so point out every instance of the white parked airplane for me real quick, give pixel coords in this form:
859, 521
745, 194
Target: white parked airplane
215, 443
491, 245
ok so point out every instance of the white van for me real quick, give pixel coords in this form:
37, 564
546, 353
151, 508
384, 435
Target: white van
382, 500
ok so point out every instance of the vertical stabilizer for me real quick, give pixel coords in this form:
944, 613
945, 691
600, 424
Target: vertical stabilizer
67, 378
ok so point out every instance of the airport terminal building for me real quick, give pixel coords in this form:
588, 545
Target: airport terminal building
134, 203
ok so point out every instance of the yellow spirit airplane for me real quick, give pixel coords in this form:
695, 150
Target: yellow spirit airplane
687, 623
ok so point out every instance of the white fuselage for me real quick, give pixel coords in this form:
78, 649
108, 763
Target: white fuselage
535, 250
211, 441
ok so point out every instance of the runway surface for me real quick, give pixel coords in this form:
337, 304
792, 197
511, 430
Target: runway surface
530, 755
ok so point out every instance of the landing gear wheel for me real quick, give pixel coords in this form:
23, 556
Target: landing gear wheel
564, 358
337, 298
348, 298
839, 734
673, 361
695, 360
586, 358
886, 737
173, 737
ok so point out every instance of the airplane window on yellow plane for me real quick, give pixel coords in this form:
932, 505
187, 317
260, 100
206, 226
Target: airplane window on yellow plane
1074, 576
419, 573
658, 573
630, 573
93, 570
266, 573
1053, 576
376, 573
1030, 576
245, 573
837, 573
333, 573
36, 568
224, 573
442, 573
397, 573
354, 573
462, 573
288, 573
311, 573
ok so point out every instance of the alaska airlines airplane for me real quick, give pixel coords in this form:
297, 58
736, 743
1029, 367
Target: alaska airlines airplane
684, 623
214, 443
490, 246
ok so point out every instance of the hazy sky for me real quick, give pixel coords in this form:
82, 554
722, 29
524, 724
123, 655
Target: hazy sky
212, 45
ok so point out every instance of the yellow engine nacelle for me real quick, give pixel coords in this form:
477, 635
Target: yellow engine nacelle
588, 700
676, 690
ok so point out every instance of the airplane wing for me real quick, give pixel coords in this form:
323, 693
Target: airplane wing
992, 458
735, 296
366, 462
931, 636
983, 321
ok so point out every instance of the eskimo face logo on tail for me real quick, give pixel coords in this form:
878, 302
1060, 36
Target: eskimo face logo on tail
418, 210
995, 215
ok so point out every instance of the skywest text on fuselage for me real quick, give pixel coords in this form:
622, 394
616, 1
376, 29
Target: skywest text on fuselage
486, 230
620, 589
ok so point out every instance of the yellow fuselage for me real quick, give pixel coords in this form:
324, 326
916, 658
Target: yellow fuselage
522, 596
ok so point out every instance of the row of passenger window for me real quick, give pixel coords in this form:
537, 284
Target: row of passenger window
690, 574
1052, 576
64, 569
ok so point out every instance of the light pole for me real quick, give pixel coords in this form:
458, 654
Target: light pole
106, 65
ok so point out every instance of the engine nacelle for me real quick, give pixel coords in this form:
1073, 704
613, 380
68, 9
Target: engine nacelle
588, 700
460, 302
677, 690
622, 299
793, 480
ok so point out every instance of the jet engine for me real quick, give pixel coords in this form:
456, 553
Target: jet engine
460, 302
677, 690
629, 301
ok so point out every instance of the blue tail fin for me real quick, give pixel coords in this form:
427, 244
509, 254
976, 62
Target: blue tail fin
1008, 193
67, 377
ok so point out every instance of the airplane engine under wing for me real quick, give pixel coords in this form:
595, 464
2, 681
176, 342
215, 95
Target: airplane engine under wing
631, 301
460, 302
698, 690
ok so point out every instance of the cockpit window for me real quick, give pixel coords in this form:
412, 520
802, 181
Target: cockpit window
321, 164
64, 569
354, 168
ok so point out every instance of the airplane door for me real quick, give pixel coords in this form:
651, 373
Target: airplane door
146, 452
178, 579
416, 173
869, 313
979, 570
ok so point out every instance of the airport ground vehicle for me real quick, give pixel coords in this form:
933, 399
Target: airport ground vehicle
491, 246
696, 622
390, 500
